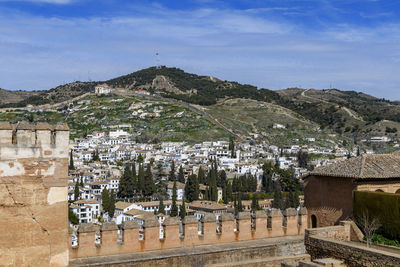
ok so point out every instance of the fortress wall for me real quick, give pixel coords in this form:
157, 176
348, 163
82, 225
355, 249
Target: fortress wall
281, 226
33, 194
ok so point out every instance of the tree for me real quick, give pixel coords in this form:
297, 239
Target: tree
149, 187
126, 188
76, 191
182, 211
171, 176
140, 185
254, 203
229, 191
303, 159
278, 199
232, 146
201, 176
221, 181
95, 155
105, 199
161, 207
71, 162
72, 217
368, 225
213, 190
174, 208
111, 206
239, 204
81, 183
134, 177
192, 188
181, 176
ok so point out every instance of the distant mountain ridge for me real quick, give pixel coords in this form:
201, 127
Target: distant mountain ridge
346, 112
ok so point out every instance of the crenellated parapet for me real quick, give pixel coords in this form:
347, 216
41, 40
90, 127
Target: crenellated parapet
26, 140
173, 232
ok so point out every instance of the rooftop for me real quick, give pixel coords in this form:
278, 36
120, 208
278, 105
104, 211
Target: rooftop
366, 166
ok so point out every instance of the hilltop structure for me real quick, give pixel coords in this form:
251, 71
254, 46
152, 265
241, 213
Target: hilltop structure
33, 194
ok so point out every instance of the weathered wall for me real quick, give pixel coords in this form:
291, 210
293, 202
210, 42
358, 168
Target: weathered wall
259, 252
33, 195
329, 199
275, 224
335, 242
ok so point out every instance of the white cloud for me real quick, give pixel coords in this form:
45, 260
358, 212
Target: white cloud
40, 53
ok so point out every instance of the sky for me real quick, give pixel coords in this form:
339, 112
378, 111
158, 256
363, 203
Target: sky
274, 44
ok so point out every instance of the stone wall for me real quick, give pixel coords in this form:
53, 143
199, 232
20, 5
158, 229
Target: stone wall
33, 194
273, 224
335, 242
260, 252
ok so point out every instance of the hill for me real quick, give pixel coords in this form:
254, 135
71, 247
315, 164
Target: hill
351, 114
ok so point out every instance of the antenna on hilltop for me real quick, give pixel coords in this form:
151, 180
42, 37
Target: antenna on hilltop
158, 65
88, 76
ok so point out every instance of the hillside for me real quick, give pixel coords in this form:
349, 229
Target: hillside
355, 115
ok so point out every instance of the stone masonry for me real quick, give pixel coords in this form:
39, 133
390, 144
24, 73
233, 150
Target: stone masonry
33, 194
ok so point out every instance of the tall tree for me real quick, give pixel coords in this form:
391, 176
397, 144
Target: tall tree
105, 199
254, 203
81, 183
161, 207
303, 159
278, 199
111, 206
181, 176
174, 207
76, 191
201, 176
134, 177
71, 162
192, 188
171, 176
240, 205
182, 211
213, 183
149, 187
141, 178
232, 146
229, 191
221, 178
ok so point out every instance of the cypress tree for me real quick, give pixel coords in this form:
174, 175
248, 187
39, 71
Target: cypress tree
105, 200
111, 208
213, 184
254, 203
141, 178
71, 162
201, 176
81, 183
229, 193
240, 205
171, 176
182, 211
174, 208
76, 191
161, 208
207, 194
232, 147
296, 201
181, 176
148, 189
221, 178
134, 177
192, 188
278, 199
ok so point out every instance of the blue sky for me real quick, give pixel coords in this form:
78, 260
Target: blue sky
275, 44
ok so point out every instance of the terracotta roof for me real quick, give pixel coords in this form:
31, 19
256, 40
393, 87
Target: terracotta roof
86, 201
366, 166
204, 204
122, 205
